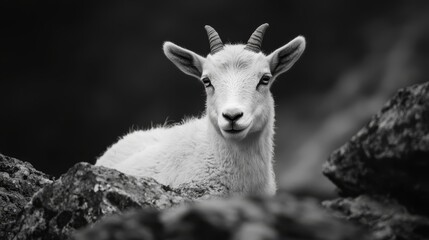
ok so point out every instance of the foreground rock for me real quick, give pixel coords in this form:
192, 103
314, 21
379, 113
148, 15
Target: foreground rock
388, 219
18, 182
86, 193
283, 217
388, 162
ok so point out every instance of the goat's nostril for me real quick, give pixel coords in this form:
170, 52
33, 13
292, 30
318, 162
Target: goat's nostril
232, 116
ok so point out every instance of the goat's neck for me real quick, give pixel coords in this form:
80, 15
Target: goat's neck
247, 164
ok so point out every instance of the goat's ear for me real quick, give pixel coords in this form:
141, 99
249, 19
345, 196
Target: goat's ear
283, 58
186, 60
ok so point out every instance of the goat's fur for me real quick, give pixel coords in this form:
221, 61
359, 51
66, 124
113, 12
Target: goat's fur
204, 150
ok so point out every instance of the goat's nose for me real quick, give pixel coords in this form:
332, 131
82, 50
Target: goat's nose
232, 115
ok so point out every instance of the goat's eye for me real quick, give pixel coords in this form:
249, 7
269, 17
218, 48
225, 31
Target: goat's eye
207, 82
264, 80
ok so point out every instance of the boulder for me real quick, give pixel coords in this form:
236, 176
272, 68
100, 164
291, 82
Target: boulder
18, 182
281, 217
86, 193
390, 155
382, 170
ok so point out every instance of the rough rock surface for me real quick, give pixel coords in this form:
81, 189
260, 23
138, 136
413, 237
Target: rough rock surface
390, 155
86, 193
18, 182
282, 217
388, 162
388, 219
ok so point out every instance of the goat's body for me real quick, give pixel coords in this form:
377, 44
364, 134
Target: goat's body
194, 153
230, 147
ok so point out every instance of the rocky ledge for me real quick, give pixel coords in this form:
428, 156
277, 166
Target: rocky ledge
87, 194
18, 182
382, 170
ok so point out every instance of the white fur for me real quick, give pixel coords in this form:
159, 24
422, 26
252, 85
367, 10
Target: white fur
201, 150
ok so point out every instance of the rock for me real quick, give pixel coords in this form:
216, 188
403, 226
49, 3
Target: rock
383, 169
140, 224
18, 182
390, 155
388, 219
86, 193
282, 217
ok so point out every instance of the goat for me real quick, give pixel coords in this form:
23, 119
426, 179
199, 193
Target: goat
232, 142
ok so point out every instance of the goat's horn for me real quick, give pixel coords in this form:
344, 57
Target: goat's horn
255, 41
215, 43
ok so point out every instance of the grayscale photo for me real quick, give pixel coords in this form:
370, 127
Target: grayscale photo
240, 120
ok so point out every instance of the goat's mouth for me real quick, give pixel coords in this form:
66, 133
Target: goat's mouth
234, 131
235, 134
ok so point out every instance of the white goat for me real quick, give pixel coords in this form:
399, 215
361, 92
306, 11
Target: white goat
232, 142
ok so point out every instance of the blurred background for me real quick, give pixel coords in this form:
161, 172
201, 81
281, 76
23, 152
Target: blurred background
76, 75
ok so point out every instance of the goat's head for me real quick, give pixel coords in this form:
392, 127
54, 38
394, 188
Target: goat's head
237, 80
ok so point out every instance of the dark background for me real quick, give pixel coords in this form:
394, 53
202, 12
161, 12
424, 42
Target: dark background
76, 75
